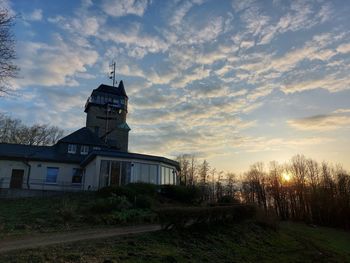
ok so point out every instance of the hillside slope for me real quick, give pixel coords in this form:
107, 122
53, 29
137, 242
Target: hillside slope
246, 242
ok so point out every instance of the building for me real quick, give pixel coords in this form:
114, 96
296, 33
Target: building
90, 158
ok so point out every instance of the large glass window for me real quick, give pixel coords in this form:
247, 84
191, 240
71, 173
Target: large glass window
115, 173
153, 174
104, 173
144, 172
51, 174
126, 172
167, 175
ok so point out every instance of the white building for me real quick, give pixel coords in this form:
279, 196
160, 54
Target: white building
90, 158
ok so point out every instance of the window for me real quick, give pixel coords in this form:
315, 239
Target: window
84, 149
72, 148
77, 176
51, 175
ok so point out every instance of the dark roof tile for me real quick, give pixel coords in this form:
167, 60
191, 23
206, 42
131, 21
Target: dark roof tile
83, 136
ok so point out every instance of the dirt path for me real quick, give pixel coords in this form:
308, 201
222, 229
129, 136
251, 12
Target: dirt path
56, 238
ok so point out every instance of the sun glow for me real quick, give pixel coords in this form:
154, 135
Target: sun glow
286, 176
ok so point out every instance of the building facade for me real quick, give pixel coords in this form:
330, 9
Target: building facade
88, 159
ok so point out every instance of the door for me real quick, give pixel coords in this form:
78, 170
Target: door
16, 178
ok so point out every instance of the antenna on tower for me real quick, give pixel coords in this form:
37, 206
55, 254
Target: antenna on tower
112, 73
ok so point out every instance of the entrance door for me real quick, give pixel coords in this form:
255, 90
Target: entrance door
16, 178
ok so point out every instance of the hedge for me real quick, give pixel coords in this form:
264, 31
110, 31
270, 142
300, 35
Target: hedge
180, 217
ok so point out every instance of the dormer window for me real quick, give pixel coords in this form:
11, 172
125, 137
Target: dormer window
84, 149
72, 148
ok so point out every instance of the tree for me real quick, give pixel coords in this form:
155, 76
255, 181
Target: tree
14, 131
8, 69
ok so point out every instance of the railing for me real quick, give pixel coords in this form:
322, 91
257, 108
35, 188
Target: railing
40, 184
117, 103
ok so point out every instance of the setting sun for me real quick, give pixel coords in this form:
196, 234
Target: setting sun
286, 176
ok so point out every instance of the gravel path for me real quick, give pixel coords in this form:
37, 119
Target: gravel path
57, 238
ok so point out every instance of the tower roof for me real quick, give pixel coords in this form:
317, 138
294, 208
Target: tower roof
119, 91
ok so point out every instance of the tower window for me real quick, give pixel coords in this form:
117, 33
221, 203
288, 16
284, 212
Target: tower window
72, 148
84, 149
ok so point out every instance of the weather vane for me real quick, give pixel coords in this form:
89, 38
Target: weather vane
112, 73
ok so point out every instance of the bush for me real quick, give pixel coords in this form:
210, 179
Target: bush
227, 199
266, 219
109, 204
143, 202
129, 216
179, 217
130, 190
143, 189
66, 211
110, 191
180, 193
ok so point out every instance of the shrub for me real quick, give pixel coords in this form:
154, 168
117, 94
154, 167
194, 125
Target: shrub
143, 189
130, 190
143, 202
66, 211
266, 219
110, 191
109, 204
129, 216
227, 199
180, 193
179, 217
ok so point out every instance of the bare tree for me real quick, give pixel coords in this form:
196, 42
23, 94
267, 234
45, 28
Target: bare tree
8, 69
14, 131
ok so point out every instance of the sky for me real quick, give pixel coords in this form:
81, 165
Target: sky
234, 82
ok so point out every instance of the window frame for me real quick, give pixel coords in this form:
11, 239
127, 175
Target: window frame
47, 173
84, 147
72, 148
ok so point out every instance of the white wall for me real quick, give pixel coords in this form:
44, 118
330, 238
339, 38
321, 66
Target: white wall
64, 178
90, 179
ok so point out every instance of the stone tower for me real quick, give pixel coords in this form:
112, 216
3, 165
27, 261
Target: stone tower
106, 110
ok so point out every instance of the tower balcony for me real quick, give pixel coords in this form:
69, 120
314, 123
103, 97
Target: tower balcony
107, 101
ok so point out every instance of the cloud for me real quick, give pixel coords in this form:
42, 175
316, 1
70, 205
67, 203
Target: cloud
180, 12
136, 42
36, 15
344, 48
53, 64
118, 8
320, 123
342, 111
330, 83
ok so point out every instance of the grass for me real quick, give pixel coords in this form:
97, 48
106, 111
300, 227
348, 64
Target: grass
245, 242
63, 213
30, 215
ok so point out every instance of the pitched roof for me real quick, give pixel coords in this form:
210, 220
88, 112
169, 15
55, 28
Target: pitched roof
83, 136
36, 153
119, 91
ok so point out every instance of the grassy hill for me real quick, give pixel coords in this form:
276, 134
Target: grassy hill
245, 242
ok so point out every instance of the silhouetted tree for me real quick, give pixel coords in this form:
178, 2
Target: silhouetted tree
8, 69
14, 131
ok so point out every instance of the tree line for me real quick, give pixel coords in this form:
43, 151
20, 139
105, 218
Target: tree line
301, 189
14, 131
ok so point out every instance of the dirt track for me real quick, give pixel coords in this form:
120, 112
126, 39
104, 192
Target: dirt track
57, 238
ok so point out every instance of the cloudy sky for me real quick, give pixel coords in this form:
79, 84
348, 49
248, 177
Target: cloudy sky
232, 81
